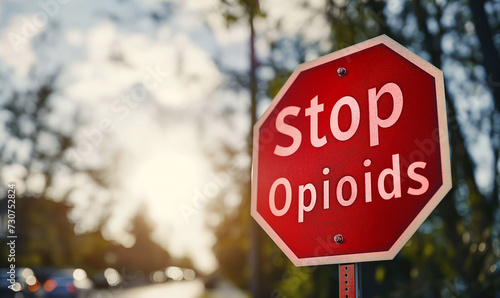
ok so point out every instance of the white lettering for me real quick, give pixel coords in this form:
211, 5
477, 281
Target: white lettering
313, 112
396, 178
354, 191
355, 118
302, 206
288, 130
417, 177
288, 197
375, 121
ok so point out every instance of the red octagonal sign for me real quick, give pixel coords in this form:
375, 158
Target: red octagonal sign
352, 155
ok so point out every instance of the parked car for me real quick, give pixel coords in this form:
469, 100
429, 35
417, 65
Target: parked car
68, 283
18, 282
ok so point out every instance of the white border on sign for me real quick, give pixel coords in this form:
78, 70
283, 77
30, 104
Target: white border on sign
444, 146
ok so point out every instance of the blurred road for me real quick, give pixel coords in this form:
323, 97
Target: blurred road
184, 289
181, 289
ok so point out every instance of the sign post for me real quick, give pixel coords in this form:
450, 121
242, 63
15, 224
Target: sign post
350, 280
352, 155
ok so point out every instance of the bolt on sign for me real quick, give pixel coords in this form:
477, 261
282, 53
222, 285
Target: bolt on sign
352, 155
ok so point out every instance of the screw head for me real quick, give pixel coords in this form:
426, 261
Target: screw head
339, 239
341, 71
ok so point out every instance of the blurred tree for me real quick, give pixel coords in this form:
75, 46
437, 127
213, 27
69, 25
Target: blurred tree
491, 58
54, 170
42, 242
46, 238
46, 235
240, 228
246, 256
145, 256
455, 252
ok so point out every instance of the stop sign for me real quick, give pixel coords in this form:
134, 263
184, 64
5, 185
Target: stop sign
352, 155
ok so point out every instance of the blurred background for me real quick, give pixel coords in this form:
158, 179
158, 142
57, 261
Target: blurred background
126, 127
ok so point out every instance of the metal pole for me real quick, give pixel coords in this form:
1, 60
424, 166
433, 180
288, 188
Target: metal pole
350, 280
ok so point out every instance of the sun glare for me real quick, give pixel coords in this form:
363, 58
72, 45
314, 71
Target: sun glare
164, 176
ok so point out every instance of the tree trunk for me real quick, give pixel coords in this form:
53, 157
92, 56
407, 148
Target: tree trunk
254, 253
491, 59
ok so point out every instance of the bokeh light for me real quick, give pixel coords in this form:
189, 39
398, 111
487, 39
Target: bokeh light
174, 273
112, 277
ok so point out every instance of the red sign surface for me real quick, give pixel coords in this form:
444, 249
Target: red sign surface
352, 155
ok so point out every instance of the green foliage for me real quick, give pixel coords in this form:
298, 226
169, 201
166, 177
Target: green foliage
145, 255
295, 282
46, 238
235, 10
